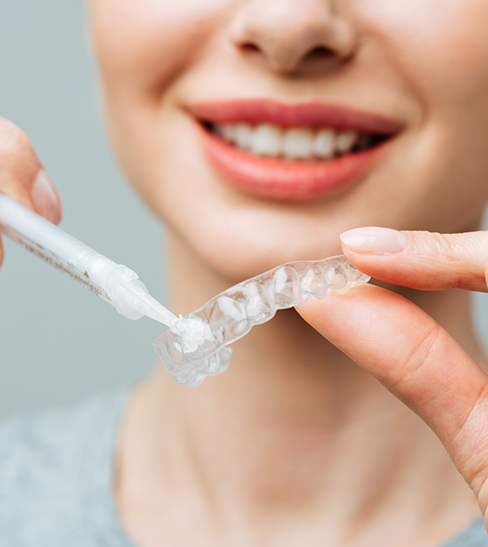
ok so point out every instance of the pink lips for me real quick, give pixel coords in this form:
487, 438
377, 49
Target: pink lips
283, 179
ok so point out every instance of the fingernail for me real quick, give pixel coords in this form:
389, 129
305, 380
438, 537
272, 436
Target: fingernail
45, 198
375, 240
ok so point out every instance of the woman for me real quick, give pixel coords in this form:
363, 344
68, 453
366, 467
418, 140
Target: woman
260, 131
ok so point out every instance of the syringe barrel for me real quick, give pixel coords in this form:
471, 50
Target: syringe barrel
115, 283
55, 246
16, 220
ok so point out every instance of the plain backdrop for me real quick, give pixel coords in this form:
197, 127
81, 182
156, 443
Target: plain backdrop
58, 342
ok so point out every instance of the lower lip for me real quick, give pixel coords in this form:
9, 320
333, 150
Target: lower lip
282, 179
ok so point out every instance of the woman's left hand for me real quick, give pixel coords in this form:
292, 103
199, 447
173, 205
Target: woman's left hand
400, 344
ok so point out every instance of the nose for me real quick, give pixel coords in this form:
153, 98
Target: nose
288, 33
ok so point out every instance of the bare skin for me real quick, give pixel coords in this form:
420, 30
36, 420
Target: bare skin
426, 368
296, 444
293, 443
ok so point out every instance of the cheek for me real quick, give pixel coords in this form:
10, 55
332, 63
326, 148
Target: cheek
142, 44
441, 49
143, 47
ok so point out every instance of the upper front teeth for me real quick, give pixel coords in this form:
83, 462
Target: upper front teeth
295, 143
266, 140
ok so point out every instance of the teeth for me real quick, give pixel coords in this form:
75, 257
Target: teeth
346, 140
324, 144
227, 131
243, 133
299, 143
266, 140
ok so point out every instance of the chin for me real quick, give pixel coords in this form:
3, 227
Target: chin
240, 250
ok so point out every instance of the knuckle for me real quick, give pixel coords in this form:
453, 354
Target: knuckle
471, 428
460, 258
419, 356
441, 244
473, 414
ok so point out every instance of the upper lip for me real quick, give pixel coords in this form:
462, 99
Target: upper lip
315, 114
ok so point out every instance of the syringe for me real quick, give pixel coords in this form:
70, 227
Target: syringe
114, 283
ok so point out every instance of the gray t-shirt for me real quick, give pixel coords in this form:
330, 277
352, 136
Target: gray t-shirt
56, 480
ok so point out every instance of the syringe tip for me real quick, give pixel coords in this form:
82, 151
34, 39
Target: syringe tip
132, 299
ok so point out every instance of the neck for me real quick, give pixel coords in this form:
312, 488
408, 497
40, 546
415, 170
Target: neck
293, 429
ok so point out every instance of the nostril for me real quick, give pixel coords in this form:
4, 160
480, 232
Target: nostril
319, 53
249, 47
313, 56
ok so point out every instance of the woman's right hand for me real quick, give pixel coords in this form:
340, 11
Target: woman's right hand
406, 349
22, 176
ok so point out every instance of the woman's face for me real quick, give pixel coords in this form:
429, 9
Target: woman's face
261, 129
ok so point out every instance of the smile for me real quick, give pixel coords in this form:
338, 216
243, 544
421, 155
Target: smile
300, 143
286, 152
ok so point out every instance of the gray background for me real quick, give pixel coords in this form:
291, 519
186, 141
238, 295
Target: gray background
58, 343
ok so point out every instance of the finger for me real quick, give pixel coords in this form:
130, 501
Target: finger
22, 176
420, 260
416, 360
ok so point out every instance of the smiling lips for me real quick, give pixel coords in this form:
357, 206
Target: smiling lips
284, 152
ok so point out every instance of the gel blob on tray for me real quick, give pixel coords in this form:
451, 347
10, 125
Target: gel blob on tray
195, 346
